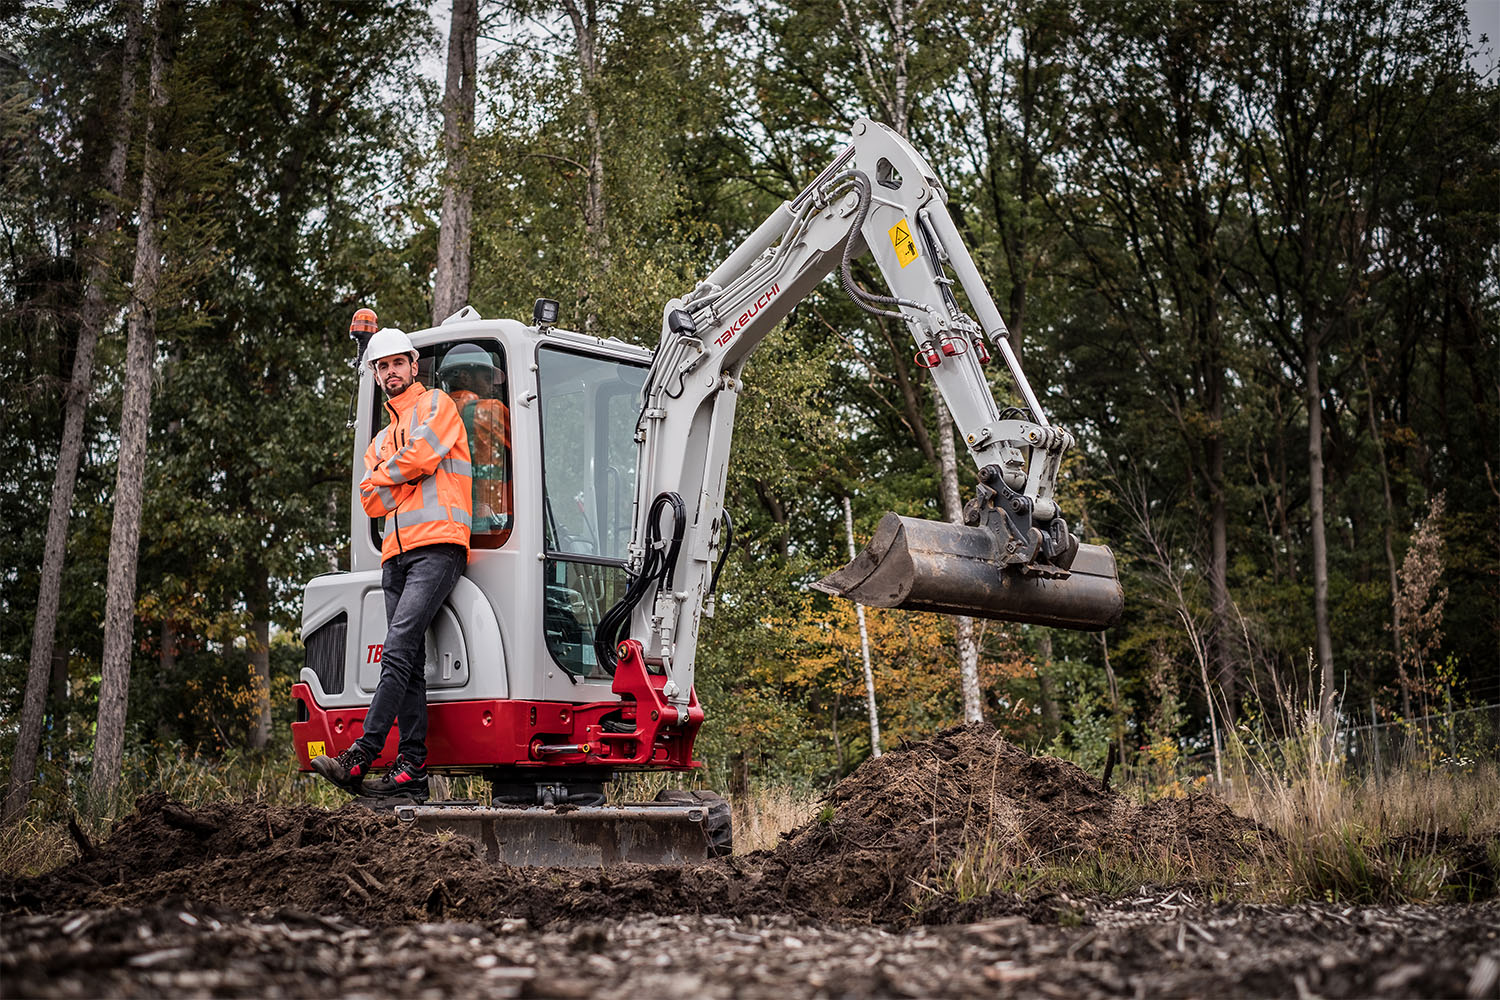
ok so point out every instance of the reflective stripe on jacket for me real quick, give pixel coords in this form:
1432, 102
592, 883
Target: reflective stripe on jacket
417, 473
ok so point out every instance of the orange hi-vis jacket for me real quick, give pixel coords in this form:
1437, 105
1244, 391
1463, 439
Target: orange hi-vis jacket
488, 424
418, 473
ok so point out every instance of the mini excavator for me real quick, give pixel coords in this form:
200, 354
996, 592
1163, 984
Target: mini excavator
565, 654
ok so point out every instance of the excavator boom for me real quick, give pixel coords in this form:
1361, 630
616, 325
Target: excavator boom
1014, 558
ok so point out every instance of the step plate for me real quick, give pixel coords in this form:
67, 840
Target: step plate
572, 836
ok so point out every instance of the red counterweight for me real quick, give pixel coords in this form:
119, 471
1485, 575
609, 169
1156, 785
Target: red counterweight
639, 731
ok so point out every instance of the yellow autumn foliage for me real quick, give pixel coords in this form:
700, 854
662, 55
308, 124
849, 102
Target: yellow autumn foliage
912, 658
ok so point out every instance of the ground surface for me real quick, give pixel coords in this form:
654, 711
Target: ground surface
894, 890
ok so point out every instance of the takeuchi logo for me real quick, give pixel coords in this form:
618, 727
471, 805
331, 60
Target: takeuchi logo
739, 324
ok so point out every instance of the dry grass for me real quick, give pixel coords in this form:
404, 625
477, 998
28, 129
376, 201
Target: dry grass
1413, 837
1418, 837
761, 815
1410, 803
1423, 833
765, 813
33, 846
40, 841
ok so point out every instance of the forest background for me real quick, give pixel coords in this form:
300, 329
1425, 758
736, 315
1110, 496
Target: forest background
1248, 252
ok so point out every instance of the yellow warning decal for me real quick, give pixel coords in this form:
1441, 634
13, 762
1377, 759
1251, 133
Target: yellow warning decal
315, 749
906, 248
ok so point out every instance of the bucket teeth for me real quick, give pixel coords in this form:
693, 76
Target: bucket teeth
953, 569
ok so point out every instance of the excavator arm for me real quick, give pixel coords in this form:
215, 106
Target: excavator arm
1014, 558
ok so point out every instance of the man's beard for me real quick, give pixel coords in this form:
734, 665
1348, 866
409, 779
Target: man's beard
393, 393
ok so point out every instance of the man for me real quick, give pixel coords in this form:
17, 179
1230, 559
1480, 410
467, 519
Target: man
418, 477
470, 376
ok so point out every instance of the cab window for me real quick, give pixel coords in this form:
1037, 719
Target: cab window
473, 373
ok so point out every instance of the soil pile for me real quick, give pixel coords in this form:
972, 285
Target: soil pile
905, 834
966, 812
253, 854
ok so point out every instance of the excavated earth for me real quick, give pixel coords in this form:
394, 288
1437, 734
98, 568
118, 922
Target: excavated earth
890, 891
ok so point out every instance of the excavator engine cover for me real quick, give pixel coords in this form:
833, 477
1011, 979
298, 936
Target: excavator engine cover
953, 569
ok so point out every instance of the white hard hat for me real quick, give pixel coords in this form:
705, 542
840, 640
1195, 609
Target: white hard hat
466, 356
387, 342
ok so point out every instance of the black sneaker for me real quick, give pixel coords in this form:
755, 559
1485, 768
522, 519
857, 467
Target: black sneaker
405, 778
347, 770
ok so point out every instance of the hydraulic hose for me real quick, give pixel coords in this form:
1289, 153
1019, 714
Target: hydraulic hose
656, 566
724, 544
869, 301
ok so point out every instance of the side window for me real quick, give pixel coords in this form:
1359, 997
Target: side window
473, 373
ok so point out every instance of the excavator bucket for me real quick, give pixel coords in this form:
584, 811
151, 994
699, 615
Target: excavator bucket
956, 570
574, 836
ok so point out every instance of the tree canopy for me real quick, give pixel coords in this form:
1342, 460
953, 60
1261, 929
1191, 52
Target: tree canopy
1249, 255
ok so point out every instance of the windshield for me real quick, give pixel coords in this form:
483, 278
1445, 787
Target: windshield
589, 408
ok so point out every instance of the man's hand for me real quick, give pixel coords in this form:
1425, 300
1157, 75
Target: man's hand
380, 500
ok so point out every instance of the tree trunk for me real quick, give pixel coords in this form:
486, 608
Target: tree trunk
70, 452
895, 107
778, 514
1225, 649
1051, 717
1390, 548
166, 659
583, 14
450, 291
963, 625
1116, 717
260, 654
135, 413
864, 643
1319, 533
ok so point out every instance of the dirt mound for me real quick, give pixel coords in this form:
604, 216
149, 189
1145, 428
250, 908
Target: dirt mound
966, 812
944, 819
250, 854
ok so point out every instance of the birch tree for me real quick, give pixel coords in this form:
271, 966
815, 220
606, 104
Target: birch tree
887, 74
583, 15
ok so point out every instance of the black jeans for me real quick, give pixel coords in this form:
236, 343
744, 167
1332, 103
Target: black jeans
416, 583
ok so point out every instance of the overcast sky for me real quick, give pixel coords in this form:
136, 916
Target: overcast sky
1484, 19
